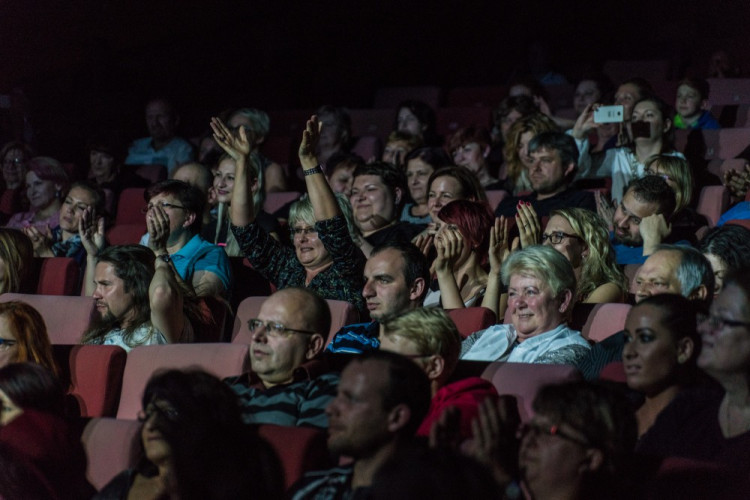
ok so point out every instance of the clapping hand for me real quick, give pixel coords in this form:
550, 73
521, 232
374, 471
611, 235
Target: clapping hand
41, 241
91, 231
449, 244
499, 248
529, 227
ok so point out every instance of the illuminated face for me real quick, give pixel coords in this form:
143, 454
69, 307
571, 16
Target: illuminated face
726, 349
720, 271
408, 122
650, 354
373, 203
224, 180
309, 249
648, 111
533, 308
341, 180
417, 174
658, 275
586, 93
547, 173
161, 121
471, 155
40, 192
110, 298
444, 189
689, 103
78, 200
574, 249
395, 151
628, 216
386, 292
102, 165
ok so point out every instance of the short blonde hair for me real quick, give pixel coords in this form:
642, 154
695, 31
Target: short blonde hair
432, 330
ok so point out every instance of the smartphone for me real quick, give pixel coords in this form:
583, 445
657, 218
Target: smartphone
608, 114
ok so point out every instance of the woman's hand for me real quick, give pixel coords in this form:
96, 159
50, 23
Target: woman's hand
499, 249
42, 242
157, 222
495, 441
309, 144
424, 241
238, 145
529, 227
91, 231
605, 208
449, 244
585, 122
445, 432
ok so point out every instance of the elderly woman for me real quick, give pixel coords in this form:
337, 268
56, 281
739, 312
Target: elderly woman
193, 444
46, 181
582, 237
325, 258
16, 260
23, 336
727, 248
15, 157
541, 293
420, 164
710, 424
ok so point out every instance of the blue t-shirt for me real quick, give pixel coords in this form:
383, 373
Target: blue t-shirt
200, 255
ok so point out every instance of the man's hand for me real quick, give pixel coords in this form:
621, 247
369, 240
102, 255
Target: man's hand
157, 222
653, 229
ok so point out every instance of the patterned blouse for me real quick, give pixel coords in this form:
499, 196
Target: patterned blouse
278, 263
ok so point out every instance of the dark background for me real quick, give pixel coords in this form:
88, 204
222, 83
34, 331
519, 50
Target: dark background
84, 65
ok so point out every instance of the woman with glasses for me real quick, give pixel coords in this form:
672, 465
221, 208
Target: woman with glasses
713, 424
193, 444
15, 158
582, 237
23, 336
325, 258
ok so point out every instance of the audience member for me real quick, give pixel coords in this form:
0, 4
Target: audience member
287, 383
727, 248
257, 124
417, 118
541, 293
107, 152
721, 65
429, 337
420, 164
46, 180
661, 346
398, 145
340, 170
553, 164
326, 259
396, 277
198, 175
64, 240
589, 90
174, 218
693, 107
16, 262
448, 184
15, 157
23, 336
382, 399
670, 269
162, 147
508, 112
470, 147
193, 444
516, 150
640, 219
35, 430
335, 135
710, 424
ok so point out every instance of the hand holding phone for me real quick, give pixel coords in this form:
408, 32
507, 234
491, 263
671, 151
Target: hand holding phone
609, 114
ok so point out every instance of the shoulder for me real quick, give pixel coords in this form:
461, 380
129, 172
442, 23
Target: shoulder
356, 338
321, 484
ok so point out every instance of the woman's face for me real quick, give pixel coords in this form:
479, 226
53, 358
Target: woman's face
574, 249
651, 354
417, 174
154, 417
470, 156
224, 180
14, 168
8, 409
39, 192
726, 349
444, 189
9, 350
341, 180
330, 134
533, 308
102, 165
586, 93
720, 271
77, 200
307, 245
647, 111
408, 122
372, 202
626, 96
508, 122
523, 148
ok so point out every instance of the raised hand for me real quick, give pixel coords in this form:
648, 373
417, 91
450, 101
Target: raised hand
499, 249
529, 227
495, 437
424, 241
446, 430
449, 245
91, 231
236, 145
585, 122
309, 144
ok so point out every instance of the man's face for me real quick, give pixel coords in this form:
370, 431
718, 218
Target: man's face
110, 298
688, 103
658, 275
628, 216
547, 173
357, 421
179, 217
274, 358
386, 292
161, 121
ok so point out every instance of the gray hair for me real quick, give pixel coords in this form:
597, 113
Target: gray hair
693, 271
544, 263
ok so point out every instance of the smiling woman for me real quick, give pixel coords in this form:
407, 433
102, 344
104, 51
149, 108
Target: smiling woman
46, 180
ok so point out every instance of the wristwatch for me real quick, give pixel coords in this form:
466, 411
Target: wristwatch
313, 171
165, 257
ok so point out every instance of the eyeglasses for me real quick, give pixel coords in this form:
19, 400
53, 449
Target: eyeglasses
537, 430
167, 413
163, 205
718, 323
299, 231
274, 329
556, 237
6, 344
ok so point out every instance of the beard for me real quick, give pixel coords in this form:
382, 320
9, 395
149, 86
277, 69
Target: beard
628, 240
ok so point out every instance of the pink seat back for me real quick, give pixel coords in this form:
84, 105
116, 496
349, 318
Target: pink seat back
605, 320
66, 318
126, 234
152, 173
713, 202
450, 120
494, 197
129, 207
275, 201
58, 276
368, 146
96, 373
524, 380
372, 122
471, 319
111, 446
221, 360
300, 449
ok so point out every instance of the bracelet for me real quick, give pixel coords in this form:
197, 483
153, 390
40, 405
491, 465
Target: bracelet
313, 171
165, 257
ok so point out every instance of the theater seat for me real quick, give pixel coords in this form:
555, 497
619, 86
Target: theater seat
523, 380
738, 222
449, 120
614, 372
247, 282
126, 234
66, 317
129, 206
58, 276
300, 449
221, 360
275, 201
342, 313
111, 446
494, 197
390, 97
471, 319
367, 147
713, 201
152, 173
604, 320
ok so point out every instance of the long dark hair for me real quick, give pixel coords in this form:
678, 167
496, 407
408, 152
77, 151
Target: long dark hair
32, 386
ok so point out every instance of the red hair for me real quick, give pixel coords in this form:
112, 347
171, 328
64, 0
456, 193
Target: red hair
474, 220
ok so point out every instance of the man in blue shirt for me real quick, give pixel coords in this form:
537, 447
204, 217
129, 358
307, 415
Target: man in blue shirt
162, 147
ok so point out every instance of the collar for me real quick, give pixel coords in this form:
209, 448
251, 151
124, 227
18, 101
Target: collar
308, 370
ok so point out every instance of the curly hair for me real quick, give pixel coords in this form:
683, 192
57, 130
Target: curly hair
600, 266
536, 124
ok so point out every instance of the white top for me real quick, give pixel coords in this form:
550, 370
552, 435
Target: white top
500, 343
145, 334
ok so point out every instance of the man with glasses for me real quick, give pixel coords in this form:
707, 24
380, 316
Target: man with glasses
555, 163
174, 219
287, 384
